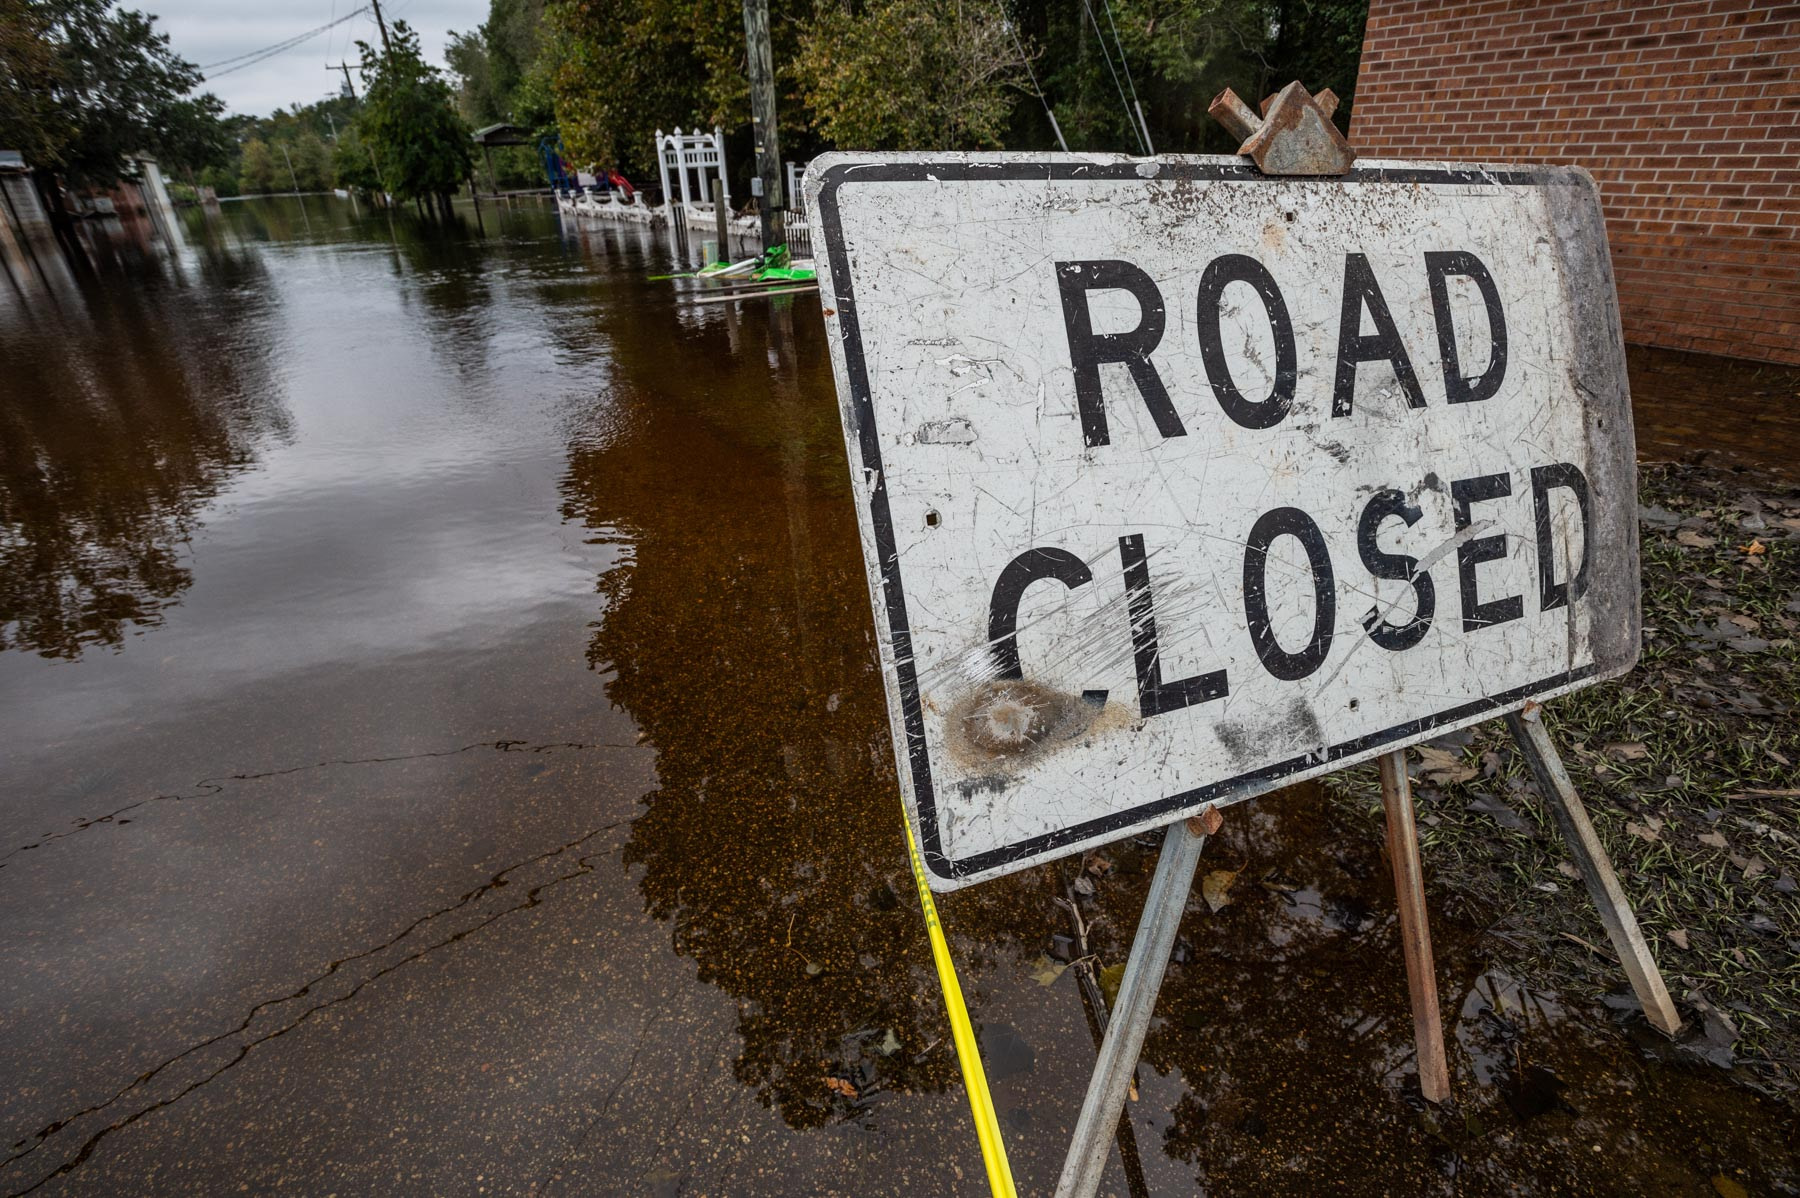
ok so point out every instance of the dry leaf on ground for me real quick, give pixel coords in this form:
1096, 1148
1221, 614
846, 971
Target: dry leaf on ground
1216, 887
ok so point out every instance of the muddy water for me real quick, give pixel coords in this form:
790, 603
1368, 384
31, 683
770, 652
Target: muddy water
444, 755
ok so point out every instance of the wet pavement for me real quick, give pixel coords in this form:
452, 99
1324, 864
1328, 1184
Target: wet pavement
444, 755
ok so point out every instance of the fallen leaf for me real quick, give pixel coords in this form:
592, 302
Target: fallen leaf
1630, 750
1747, 623
1216, 886
1567, 869
1442, 766
1755, 548
1757, 866
1044, 971
1083, 886
838, 1085
1728, 1188
1499, 812
1111, 977
1715, 840
1695, 540
890, 1043
1435, 759
1633, 828
1678, 937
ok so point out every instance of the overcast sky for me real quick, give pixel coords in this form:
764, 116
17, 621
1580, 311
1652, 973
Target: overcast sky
210, 31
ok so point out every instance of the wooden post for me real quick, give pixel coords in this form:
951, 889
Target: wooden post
1415, 932
1595, 866
762, 120
721, 219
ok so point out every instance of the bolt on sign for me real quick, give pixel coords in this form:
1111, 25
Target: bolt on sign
1178, 482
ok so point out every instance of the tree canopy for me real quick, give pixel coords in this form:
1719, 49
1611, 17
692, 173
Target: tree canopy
902, 74
409, 120
85, 85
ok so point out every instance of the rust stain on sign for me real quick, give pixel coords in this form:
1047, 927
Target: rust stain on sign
1229, 480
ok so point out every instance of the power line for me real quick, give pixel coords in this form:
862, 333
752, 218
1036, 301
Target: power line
1042, 98
1142, 123
1100, 37
238, 62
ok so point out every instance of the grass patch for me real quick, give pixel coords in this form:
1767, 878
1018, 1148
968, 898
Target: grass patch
1682, 765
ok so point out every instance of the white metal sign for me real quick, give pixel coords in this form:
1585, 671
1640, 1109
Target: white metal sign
1177, 482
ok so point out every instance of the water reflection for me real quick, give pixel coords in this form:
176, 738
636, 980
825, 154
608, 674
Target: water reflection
122, 419
486, 428
734, 641
736, 634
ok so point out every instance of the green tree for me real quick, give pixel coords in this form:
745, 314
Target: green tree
222, 180
116, 89
493, 63
193, 134
256, 169
1319, 42
621, 69
410, 121
910, 74
312, 162
31, 79
1101, 58
352, 164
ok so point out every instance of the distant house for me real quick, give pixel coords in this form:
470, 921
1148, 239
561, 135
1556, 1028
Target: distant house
22, 216
1688, 115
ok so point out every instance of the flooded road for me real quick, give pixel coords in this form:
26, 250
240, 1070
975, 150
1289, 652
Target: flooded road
445, 755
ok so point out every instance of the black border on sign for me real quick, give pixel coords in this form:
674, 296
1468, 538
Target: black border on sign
862, 411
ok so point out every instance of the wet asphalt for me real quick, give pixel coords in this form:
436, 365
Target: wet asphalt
444, 755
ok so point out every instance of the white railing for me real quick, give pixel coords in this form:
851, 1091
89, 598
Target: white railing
696, 154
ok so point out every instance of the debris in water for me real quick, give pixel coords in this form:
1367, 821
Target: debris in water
1216, 888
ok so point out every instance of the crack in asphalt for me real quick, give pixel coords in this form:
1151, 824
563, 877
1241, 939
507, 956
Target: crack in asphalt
25, 1147
207, 788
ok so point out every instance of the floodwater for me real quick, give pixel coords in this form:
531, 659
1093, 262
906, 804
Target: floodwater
444, 755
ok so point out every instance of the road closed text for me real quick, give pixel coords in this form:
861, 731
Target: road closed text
1176, 483
1477, 602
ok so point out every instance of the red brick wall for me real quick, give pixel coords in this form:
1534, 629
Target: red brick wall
1687, 114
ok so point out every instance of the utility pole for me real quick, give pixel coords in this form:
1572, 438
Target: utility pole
762, 119
290, 164
385, 44
344, 67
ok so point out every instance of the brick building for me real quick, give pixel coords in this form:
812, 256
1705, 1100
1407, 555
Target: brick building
1688, 115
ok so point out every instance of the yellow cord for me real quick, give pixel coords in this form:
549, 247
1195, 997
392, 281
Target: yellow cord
968, 1052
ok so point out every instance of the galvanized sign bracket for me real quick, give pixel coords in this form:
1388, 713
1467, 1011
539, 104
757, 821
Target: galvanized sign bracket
1294, 136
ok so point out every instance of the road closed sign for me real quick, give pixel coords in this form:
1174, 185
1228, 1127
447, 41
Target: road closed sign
1177, 483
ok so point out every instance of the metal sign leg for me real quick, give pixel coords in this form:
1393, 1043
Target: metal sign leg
1130, 1019
1596, 868
1415, 932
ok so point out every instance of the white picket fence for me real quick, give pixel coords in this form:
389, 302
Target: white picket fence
687, 163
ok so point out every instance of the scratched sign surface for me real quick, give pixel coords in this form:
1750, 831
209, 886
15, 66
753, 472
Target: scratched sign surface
1177, 482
